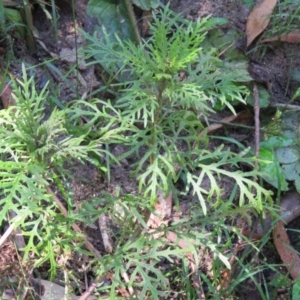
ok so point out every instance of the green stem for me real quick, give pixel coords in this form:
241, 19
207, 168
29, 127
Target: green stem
29, 23
133, 20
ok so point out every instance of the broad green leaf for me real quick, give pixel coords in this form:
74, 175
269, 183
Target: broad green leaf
297, 94
109, 17
146, 4
233, 62
287, 155
282, 153
296, 290
215, 21
224, 41
295, 74
240, 67
264, 96
248, 3
276, 142
273, 172
112, 15
14, 16
292, 171
291, 120
220, 39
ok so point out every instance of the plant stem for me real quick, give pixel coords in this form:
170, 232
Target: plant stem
133, 20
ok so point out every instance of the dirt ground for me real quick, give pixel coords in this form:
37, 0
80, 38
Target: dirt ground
271, 69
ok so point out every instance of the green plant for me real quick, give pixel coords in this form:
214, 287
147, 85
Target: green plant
279, 151
297, 94
137, 257
146, 4
33, 150
171, 83
156, 267
296, 290
248, 3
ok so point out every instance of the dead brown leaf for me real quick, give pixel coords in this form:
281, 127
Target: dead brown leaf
147, 19
242, 118
6, 94
259, 19
287, 254
293, 37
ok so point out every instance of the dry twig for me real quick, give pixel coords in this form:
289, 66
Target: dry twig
256, 120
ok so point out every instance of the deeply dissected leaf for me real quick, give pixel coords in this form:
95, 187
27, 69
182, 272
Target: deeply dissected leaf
29, 144
215, 170
259, 19
233, 60
156, 92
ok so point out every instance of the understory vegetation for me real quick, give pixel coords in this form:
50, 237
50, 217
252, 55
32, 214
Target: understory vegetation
162, 92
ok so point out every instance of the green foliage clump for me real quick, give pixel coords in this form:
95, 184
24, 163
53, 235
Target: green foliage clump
170, 82
33, 148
